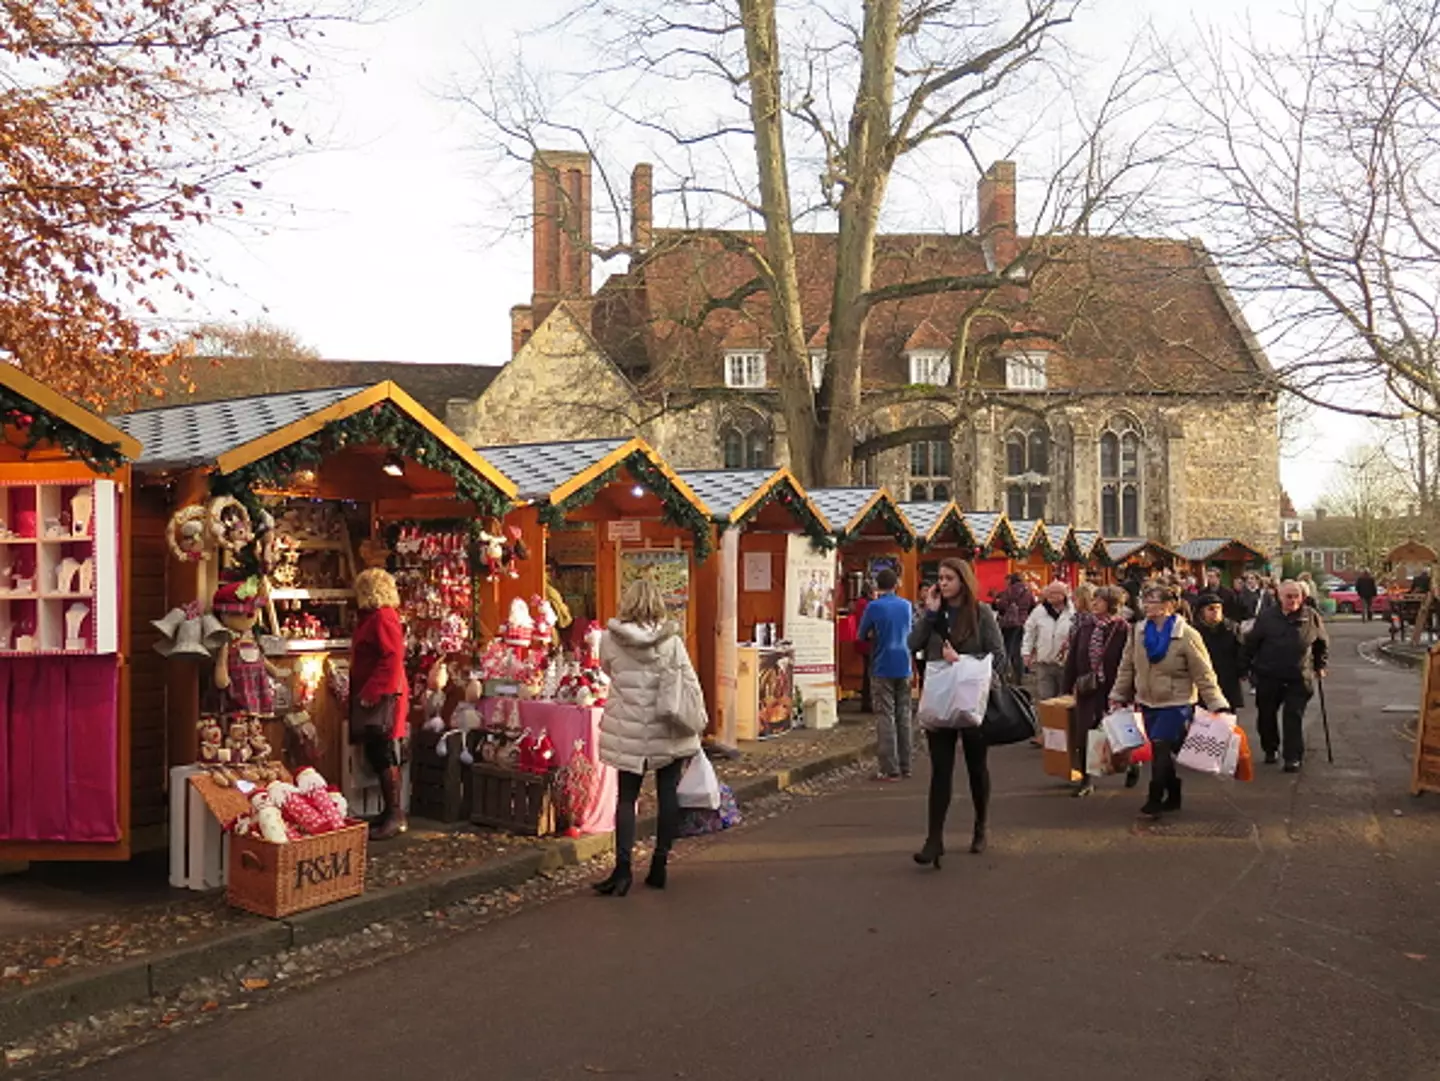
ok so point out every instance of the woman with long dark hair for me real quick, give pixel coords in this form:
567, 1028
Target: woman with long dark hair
956, 623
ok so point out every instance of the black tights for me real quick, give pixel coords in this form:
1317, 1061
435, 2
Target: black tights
942, 743
667, 781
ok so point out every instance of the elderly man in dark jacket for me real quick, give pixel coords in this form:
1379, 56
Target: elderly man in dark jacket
1285, 651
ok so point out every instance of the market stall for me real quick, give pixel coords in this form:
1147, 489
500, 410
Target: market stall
65, 579
592, 516
1137, 556
1069, 565
748, 673
275, 504
1037, 555
940, 533
871, 532
1094, 557
995, 547
1230, 556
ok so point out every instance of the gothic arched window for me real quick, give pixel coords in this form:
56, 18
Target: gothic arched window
745, 441
931, 467
1121, 485
1027, 471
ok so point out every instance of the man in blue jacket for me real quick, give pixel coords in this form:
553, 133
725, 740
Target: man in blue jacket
889, 618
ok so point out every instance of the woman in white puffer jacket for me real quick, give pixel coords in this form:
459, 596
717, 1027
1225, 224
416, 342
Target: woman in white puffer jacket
653, 720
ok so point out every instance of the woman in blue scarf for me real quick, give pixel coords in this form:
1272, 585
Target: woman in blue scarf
1164, 671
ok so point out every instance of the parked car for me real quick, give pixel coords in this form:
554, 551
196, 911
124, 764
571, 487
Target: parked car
1330, 584
1347, 601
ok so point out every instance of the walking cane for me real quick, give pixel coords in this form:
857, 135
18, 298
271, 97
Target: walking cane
1325, 721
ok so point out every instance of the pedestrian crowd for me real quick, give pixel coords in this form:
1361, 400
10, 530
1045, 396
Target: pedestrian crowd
1160, 646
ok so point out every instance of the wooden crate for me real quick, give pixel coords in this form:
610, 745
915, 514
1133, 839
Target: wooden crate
441, 789
514, 801
280, 880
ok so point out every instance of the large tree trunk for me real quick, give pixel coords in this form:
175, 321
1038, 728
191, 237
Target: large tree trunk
797, 399
869, 157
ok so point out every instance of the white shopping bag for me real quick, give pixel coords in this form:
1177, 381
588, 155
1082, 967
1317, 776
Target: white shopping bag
1207, 746
1098, 760
1124, 730
700, 788
955, 695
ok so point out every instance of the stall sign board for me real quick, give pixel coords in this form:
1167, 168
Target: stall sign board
1426, 776
624, 529
810, 626
757, 572
670, 569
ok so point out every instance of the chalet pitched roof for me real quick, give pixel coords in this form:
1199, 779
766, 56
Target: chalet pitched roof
185, 436
222, 378
1197, 551
1126, 313
540, 469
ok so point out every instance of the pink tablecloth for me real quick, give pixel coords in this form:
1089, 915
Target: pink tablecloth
566, 725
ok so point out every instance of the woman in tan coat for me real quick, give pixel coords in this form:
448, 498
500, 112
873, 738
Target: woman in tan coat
1164, 670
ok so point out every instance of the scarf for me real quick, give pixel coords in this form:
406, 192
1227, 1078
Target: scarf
1055, 613
1099, 639
1157, 639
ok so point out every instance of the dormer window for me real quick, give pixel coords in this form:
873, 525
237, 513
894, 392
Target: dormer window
929, 367
1025, 371
745, 370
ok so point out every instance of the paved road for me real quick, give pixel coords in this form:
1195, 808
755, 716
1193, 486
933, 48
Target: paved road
1288, 929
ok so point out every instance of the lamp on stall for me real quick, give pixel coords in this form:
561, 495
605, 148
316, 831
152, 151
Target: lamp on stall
637, 491
394, 465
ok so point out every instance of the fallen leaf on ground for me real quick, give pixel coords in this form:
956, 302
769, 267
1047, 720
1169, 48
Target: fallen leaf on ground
254, 983
1416, 956
53, 962
210, 1006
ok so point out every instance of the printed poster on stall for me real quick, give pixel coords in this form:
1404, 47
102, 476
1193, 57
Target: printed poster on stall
670, 569
810, 626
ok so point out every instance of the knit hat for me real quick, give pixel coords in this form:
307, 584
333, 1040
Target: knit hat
1205, 600
236, 598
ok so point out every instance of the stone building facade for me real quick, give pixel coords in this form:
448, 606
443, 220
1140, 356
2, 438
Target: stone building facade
1126, 394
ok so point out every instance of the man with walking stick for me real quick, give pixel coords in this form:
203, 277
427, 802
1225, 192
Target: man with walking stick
1285, 651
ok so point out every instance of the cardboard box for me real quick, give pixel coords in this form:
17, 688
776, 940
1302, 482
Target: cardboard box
1057, 732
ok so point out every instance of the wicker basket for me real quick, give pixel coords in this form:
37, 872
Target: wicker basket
280, 880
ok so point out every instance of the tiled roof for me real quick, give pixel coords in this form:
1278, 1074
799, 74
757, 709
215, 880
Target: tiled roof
1086, 539
184, 436
983, 524
925, 336
1199, 550
725, 490
1121, 548
1128, 312
539, 468
924, 516
841, 506
1057, 535
1025, 529
222, 378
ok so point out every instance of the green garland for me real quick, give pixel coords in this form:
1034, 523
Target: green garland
41, 426
882, 510
678, 510
786, 495
967, 538
381, 425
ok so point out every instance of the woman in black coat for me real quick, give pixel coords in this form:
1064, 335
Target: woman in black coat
1091, 665
1224, 643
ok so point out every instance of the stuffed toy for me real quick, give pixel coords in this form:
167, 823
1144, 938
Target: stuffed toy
519, 629
434, 699
242, 672
313, 791
296, 810
467, 719
212, 739
268, 819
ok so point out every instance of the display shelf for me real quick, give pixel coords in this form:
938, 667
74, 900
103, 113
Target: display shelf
55, 620
331, 595
315, 645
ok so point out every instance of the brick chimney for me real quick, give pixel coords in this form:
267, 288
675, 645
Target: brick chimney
642, 206
562, 229
997, 215
522, 325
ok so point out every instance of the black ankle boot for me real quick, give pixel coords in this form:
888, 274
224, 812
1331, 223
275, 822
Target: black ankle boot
1172, 796
931, 854
656, 878
617, 884
977, 841
1156, 801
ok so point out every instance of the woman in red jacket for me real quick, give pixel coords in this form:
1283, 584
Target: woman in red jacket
379, 691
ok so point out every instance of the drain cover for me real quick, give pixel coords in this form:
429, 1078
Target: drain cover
1230, 829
